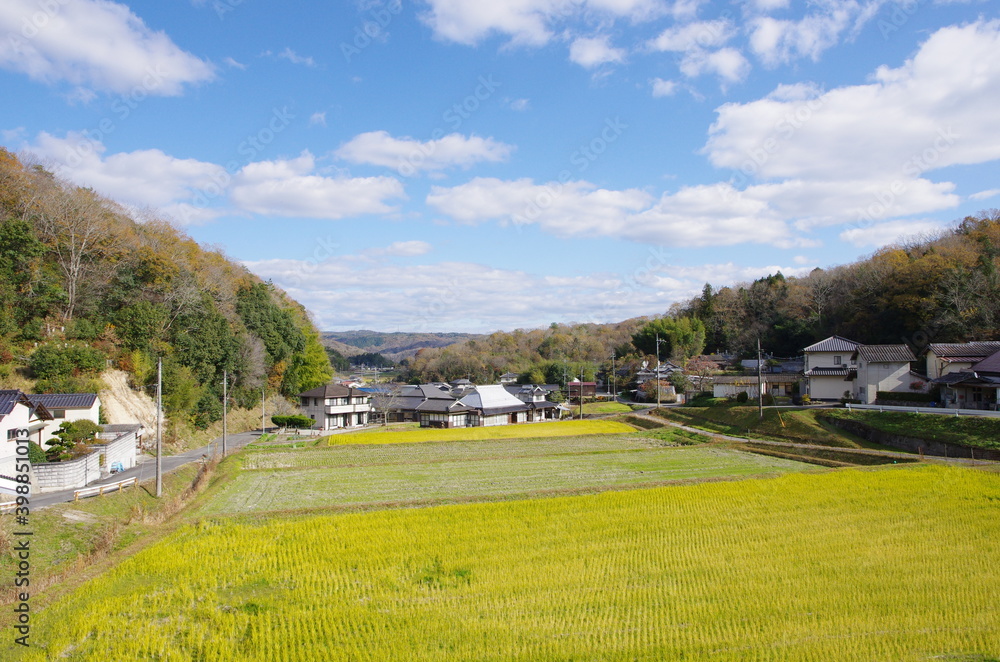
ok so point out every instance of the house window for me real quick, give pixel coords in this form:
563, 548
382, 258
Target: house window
837, 360
12, 434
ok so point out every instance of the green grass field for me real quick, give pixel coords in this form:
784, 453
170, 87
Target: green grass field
897, 564
978, 432
399, 474
552, 429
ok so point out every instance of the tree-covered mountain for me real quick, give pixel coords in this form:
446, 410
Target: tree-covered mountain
396, 345
84, 285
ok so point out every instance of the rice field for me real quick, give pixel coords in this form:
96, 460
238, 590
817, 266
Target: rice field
522, 431
889, 564
379, 477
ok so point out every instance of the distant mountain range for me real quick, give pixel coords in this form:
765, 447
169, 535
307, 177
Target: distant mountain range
395, 346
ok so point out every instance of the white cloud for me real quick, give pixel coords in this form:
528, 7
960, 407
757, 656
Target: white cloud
891, 232
408, 155
142, 178
663, 88
527, 22
291, 188
985, 195
519, 105
573, 209
94, 45
317, 119
728, 63
234, 64
870, 146
780, 41
590, 52
295, 58
411, 248
693, 216
449, 296
691, 36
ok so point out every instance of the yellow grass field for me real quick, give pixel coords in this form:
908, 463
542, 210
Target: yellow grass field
890, 564
524, 431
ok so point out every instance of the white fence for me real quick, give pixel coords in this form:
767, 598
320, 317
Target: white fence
941, 411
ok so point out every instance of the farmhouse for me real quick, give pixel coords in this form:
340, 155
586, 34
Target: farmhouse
838, 368
66, 407
977, 387
464, 404
334, 406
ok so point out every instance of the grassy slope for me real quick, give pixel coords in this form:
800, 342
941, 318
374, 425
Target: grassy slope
796, 568
799, 426
966, 431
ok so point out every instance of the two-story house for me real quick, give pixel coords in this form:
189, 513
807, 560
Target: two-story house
882, 368
67, 407
830, 368
333, 406
945, 358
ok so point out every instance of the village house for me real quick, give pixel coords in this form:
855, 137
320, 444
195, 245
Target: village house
464, 404
977, 387
829, 368
333, 406
945, 358
882, 368
17, 413
66, 407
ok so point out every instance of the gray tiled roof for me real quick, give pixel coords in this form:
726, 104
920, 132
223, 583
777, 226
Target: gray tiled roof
64, 400
333, 391
989, 365
833, 344
886, 354
965, 350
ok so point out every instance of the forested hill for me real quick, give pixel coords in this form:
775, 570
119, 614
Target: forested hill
396, 346
944, 288
84, 286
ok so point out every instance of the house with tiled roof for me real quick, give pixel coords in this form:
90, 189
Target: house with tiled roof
881, 368
334, 406
830, 368
977, 387
944, 358
66, 407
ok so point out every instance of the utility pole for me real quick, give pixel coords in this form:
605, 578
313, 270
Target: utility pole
225, 402
614, 385
760, 386
262, 389
159, 427
581, 394
658, 341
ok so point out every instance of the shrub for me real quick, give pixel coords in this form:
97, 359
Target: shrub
64, 360
742, 397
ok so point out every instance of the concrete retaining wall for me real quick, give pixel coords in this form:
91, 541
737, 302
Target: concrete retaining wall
56, 476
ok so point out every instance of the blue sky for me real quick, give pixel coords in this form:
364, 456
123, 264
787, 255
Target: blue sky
459, 165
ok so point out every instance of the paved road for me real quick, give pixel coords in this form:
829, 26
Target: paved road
146, 467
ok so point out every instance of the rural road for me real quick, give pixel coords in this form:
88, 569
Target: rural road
146, 467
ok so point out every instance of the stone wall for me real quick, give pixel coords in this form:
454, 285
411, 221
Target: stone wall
56, 476
912, 444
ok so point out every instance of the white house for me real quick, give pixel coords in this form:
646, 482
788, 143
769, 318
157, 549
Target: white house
333, 406
882, 368
17, 413
830, 368
67, 407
